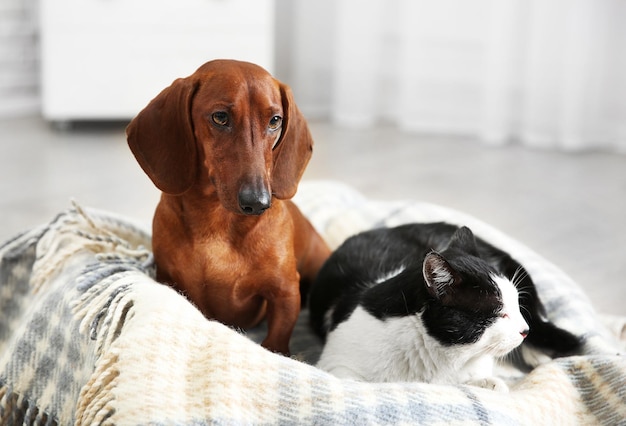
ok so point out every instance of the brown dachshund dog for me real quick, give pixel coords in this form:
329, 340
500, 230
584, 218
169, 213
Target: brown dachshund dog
227, 147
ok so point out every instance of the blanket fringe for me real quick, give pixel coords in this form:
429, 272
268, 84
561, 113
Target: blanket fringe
16, 409
104, 310
106, 305
73, 232
105, 299
95, 402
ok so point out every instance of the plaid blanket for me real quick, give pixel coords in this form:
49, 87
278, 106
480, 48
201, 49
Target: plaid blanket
88, 337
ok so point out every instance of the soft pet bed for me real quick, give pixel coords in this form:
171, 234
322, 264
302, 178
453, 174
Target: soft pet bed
88, 337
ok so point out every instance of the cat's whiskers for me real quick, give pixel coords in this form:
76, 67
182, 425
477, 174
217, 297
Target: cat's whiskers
524, 309
518, 276
523, 294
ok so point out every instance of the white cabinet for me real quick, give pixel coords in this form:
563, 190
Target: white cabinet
106, 59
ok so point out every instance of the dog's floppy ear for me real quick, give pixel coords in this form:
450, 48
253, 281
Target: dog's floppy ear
294, 148
162, 140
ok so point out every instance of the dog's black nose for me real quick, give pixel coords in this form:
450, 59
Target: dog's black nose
254, 201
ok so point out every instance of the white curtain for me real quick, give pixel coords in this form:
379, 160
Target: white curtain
547, 73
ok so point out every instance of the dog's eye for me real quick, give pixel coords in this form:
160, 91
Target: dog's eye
220, 118
275, 122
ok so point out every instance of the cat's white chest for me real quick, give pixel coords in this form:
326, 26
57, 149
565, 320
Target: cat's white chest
397, 349
361, 348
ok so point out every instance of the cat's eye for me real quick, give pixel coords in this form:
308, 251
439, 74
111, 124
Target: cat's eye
504, 315
220, 118
275, 122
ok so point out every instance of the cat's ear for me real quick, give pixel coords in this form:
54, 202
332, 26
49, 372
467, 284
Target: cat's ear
464, 239
441, 279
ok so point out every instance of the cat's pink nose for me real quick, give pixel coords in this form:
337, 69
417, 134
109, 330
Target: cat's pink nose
524, 333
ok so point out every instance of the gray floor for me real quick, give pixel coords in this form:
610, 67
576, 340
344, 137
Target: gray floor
571, 208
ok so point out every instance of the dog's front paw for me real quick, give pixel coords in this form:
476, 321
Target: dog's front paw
491, 383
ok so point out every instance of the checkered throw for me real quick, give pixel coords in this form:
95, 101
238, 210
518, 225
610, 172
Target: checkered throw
88, 337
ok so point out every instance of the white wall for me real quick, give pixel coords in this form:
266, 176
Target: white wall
18, 58
305, 45
446, 66
19, 54
307, 56
547, 73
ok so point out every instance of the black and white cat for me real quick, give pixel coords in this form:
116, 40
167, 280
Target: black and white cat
426, 302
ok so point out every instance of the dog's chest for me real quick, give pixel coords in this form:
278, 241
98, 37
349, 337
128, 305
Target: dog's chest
229, 270
240, 261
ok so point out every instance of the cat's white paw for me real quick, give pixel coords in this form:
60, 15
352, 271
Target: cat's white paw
491, 383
